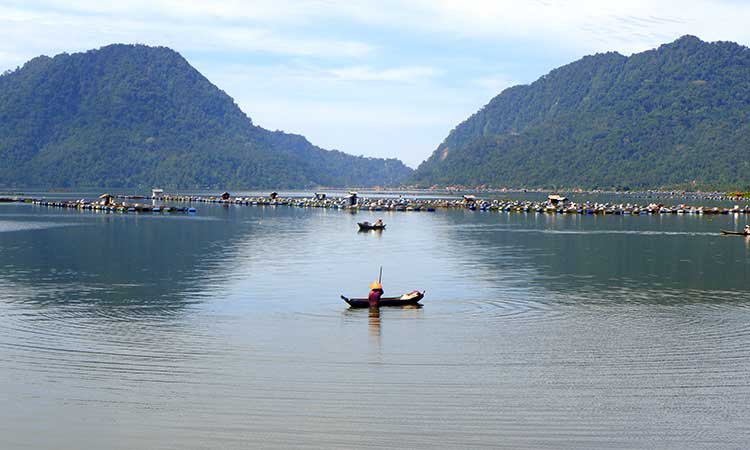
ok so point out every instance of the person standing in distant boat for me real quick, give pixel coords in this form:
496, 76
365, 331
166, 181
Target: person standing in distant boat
747, 229
376, 291
379, 223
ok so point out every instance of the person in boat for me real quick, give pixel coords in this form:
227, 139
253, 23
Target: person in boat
378, 223
747, 229
376, 291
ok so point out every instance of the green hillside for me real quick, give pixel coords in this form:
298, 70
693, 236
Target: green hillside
133, 115
677, 116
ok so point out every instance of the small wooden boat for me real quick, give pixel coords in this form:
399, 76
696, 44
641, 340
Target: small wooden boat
366, 226
412, 298
735, 233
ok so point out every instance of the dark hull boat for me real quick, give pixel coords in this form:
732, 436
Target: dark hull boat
412, 298
735, 233
366, 226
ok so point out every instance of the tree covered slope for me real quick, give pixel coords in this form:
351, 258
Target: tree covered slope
676, 116
133, 115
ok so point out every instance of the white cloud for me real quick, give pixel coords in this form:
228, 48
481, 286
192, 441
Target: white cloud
396, 74
572, 21
225, 10
309, 27
266, 40
49, 31
594, 25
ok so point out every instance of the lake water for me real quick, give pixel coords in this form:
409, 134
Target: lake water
226, 330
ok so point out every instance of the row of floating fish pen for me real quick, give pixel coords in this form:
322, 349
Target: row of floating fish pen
606, 208
114, 207
553, 205
346, 203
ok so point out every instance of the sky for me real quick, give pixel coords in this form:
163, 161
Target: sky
382, 78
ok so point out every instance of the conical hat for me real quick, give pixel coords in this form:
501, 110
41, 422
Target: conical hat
376, 285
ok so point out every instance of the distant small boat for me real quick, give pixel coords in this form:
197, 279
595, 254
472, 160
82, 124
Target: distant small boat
412, 298
365, 226
735, 233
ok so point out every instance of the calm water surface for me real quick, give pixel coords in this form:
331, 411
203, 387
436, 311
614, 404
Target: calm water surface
226, 330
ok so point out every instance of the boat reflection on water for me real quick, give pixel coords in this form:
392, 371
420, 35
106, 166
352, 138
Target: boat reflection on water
412, 306
374, 321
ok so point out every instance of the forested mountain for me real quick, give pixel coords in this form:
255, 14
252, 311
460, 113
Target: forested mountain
676, 116
133, 115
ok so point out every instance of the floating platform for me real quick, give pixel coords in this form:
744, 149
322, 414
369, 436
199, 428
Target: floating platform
476, 205
400, 204
114, 208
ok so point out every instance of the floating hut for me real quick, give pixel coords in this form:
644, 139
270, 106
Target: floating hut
352, 198
469, 199
225, 196
273, 195
556, 199
157, 193
106, 199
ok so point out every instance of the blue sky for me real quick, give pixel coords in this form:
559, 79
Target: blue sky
381, 78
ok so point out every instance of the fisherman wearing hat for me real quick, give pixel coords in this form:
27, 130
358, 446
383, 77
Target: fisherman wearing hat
376, 291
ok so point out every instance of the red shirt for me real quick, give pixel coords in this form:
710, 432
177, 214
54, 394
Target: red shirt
374, 296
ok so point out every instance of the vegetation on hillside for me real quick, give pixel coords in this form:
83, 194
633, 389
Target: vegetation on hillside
133, 115
677, 116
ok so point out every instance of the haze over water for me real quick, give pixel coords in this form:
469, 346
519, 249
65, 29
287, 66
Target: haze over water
226, 330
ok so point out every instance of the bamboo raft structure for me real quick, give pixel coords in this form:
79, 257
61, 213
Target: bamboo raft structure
113, 208
490, 205
400, 204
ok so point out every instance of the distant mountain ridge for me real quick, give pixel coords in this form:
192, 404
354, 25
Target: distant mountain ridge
676, 116
134, 115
